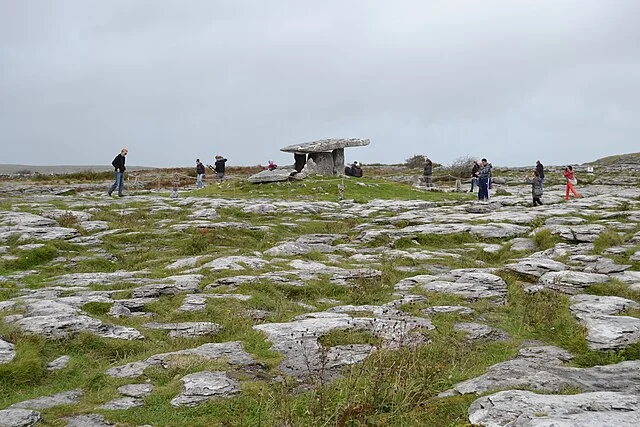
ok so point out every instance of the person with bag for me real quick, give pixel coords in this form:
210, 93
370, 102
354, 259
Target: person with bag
536, 188
571, 182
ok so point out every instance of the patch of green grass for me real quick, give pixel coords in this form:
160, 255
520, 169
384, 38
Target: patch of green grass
326, 188
31, 258
615, 288
545, 239
443, 241
606, 240
544, 316
97, 308
502, 192
346, 337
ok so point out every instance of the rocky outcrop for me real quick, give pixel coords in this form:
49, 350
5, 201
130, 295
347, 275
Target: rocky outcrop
229, 352
7, 351
469, 284
525, 408
541, 369
13, 417
202, 386
606, 329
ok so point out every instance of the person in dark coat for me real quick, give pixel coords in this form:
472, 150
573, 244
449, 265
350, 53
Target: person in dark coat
536, 188
353, 170
199, 173
540, 170
475, 170
219, 166
428, 172
484, 180
118, 164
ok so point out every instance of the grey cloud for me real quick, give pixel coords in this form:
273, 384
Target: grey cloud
172, 80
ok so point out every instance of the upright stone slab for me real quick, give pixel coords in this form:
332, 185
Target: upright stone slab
324, 162
338, 161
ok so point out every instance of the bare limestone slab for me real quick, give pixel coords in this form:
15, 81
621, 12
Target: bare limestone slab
535, 266
59, 363
477, 331
230, 352
525, 408
541, 368
53, 319
186, 329
7, 351
298, 340
606, 330
467, 283
65, 398
204, 385
198, 302
122, 404
87, 420
14, 417
276, 175
571, 282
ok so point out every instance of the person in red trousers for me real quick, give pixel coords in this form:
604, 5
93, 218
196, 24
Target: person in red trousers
571, 181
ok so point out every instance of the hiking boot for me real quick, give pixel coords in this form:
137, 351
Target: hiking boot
121, 195
109, 193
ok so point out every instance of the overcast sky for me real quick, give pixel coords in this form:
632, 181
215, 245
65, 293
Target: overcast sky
172, 80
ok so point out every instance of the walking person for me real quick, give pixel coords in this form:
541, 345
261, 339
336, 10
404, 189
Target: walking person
571, 182
199, 173
475, 169
484, 179
536, 188
540, 170
428, 172
219, 167
118, 164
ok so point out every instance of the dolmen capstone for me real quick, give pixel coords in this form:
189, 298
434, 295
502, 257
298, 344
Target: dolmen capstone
328, 154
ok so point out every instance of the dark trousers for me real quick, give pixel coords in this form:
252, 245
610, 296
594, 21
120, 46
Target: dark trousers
537, 201
483, 185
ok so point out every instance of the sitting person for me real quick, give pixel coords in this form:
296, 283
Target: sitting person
271, 166
353, 170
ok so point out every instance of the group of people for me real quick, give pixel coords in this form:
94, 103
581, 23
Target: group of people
537, 183
118, 164
354, 169
481, 178
218, 167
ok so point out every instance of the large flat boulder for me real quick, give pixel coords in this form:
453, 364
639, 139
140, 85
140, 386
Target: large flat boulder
524, 408
324, 145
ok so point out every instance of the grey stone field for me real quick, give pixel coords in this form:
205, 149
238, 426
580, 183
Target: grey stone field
135, 310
